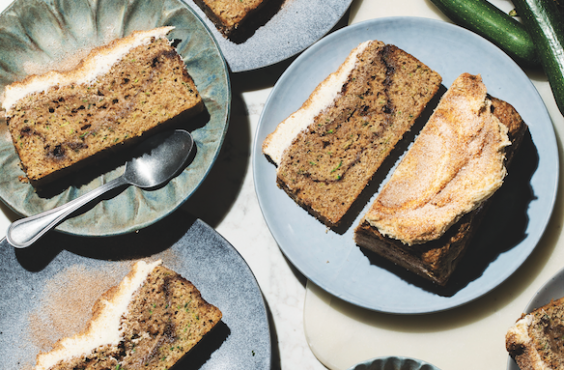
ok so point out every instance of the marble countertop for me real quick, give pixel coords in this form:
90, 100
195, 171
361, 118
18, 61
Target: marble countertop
227, 202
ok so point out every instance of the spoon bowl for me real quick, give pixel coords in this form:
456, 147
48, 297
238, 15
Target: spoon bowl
155, 161
158, 159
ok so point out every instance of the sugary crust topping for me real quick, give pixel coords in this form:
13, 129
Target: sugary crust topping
98, 62
455, 164
104, 328
322, 97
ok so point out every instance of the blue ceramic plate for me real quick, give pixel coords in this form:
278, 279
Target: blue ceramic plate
515, 221
34, 33
297, 25
241, 341
394, 363
553, 289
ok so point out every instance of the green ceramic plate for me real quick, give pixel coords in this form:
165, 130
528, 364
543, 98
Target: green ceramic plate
35, 33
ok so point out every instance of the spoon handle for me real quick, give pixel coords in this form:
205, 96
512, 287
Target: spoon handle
26, 231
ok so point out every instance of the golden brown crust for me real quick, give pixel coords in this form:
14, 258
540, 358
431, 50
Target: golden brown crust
437, 259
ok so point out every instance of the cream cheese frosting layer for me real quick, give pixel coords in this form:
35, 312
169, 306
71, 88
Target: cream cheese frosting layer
520, 333
455, 164
321, 98
521, 329
98, 62
104, 329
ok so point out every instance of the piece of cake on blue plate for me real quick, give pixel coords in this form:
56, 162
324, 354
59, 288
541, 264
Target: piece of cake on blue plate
149, 321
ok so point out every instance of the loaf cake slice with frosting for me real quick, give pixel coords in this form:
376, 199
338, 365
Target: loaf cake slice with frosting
536, 340
232, 16
119, 92
425, 215
329, 149
149, 321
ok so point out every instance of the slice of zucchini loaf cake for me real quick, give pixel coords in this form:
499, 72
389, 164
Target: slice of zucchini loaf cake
232, 16
149, 321
536, 340
328, 150
424, 217
119, 92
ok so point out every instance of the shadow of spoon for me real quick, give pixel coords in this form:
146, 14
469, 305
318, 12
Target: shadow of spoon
155, 161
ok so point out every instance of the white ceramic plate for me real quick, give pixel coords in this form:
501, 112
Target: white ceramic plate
553, 289
513, 225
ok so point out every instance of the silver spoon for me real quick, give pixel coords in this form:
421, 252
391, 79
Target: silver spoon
160, 158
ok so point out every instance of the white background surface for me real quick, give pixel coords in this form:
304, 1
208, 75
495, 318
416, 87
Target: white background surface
340, 335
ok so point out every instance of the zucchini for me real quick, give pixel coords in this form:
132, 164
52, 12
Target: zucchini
546, 27
491, 23
560, 6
